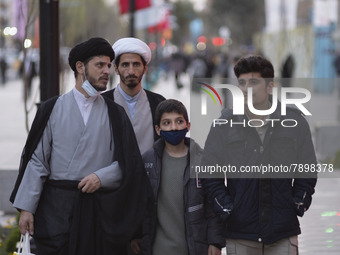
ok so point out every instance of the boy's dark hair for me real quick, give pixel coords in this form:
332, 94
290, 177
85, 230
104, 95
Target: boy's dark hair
170, 105
254, 64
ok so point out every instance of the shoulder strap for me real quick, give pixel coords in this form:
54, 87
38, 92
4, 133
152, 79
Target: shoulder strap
154, 99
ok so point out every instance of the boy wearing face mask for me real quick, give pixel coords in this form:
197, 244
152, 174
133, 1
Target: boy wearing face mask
180, 221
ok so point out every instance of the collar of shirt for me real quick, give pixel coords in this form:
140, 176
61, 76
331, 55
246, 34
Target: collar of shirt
261, 130
130, 101
85, 104
265, 121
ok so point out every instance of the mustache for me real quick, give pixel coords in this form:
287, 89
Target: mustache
104, 77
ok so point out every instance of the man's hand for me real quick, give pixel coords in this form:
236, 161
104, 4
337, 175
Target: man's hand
26, 222
213, 250
135, 246
299, 206
89, 184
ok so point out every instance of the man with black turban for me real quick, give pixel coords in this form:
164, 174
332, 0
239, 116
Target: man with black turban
82, 188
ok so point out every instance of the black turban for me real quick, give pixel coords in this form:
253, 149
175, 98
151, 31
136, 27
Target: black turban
93, 47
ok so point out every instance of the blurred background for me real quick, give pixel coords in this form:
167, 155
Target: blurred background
300, 37
189, 39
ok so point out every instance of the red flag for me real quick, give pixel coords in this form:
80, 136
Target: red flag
36, 41
162, 25
139, 4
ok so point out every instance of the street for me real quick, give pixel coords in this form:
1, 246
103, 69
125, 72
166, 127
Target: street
320, 225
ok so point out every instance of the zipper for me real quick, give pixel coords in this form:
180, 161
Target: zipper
223, 209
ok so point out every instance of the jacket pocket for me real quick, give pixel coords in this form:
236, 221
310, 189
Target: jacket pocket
196, 225
199, 231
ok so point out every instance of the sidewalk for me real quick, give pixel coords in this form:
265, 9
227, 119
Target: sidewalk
12, 124
13, 131
321, 224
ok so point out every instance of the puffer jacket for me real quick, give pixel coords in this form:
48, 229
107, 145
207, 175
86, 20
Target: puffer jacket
264, 208
202, 226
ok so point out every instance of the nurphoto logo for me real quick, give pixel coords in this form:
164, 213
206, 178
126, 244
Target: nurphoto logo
204, 98
239, 102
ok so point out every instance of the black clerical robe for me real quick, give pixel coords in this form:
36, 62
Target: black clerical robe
105, 219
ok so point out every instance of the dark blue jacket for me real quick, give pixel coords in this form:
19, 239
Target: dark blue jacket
258, 207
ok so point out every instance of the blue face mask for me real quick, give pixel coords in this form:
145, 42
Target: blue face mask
90, 90
174, 137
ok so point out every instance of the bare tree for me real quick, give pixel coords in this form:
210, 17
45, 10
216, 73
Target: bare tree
29, 13
80, 20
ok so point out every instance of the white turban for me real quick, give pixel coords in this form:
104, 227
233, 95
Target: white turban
132, 45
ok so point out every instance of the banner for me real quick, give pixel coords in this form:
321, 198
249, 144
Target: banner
139, 4
162, 25
157, 13
19, 17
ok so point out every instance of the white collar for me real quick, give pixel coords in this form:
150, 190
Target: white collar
128, 98
80, 98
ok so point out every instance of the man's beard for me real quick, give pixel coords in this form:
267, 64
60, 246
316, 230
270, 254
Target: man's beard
131, 83
98, 88
94, 82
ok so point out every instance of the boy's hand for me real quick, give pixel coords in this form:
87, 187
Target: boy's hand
135, 246
213, 250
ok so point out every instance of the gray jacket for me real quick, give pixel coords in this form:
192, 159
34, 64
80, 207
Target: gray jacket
202, 226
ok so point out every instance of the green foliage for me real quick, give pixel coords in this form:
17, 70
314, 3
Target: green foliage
337, 160
9, 236
2, 250
3, 234
11, 241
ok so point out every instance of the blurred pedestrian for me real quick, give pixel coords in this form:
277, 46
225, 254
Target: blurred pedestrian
260, 211
82, 187
287, 71
131, 63
223, 66
198, 69
232, 79
178, 64
337, 64
31, 72
3, 68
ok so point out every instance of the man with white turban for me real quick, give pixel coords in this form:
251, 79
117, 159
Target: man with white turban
131, 63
